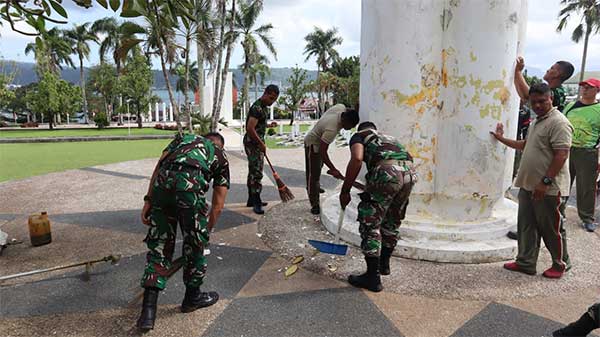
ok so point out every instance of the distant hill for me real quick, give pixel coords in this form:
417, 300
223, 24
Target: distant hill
26, 74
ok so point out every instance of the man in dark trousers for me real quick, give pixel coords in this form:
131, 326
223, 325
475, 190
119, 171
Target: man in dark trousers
390, 180
543, 178
316, 144
554, 76
254, 145
584, 115
176, 195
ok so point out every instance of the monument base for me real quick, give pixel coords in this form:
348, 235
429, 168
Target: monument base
424, 238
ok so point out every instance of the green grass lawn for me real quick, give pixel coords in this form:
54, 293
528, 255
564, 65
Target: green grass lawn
18, 161
28, 133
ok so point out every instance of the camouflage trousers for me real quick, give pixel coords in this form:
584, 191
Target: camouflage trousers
382, 209
190, 211
256, 160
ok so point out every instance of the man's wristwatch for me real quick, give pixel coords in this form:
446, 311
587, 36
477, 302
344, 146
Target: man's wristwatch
547, 181
147, 198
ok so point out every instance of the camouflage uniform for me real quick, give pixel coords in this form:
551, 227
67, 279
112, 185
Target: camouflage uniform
256, 157
389, 183
559, 97
178, 196
594, 312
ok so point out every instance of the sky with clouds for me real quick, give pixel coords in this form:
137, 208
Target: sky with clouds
292, 20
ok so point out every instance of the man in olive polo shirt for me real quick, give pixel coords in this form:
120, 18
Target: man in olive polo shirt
316, 144
543, 178
584, 115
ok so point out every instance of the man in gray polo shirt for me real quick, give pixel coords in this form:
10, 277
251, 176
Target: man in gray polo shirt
543, 178
316, 144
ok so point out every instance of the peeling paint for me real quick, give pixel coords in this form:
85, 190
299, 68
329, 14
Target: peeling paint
473, 57
493, 111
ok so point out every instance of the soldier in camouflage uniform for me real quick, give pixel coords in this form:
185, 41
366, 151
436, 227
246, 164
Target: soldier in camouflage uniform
390, 180
176, 195
588, 322
254, 145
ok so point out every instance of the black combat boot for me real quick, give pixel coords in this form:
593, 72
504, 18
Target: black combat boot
195, 299
148, 315
384, 260
580, 328
257, 208
250, 202
369, 280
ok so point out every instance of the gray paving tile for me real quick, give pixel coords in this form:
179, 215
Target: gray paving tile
498, 320
7, 217
115, 173
229, 268
129, 220
331, 312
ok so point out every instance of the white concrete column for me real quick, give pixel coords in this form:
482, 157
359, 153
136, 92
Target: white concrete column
164, 112
438, 75
171, 112
271, 111
156, 115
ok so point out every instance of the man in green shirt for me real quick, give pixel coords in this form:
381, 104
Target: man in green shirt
254, 145
584, 115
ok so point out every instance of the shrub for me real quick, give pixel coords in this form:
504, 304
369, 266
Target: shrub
101, 120
29, 125
3, 124
158, 126
272, 125
271, 132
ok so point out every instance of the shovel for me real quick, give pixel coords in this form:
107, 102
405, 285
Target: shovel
332, 248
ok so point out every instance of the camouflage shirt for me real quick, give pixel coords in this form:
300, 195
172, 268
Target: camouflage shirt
559, 97
259, 111
378, 147
192, 169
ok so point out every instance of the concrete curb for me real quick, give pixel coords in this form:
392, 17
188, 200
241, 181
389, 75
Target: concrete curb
80, 139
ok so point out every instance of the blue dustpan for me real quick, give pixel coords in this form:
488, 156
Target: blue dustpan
332, 248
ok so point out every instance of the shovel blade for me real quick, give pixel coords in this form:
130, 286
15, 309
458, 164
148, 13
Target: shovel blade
328, 247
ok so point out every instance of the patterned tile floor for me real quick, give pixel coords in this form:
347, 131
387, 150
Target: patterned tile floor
256, 298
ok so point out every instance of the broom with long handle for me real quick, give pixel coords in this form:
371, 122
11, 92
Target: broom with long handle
284, 192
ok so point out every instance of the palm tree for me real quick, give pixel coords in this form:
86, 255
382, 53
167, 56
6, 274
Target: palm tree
79, 37
229, 41
161, 19
206, 43
245, 21
589, 23
258, 68
321, 44
51, 51
120, 37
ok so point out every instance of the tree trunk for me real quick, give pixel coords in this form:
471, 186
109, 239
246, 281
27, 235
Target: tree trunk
139, 114
217, 112
161, 50
200, 62
585, 48
186, 86
246, 71
217, 81
82, 84
50, 120
255, 87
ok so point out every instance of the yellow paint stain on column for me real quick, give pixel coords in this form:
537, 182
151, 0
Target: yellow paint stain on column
473, 57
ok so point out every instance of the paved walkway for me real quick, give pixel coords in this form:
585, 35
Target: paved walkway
95, 212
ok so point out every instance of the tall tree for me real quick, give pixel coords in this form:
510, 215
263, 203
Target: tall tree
321, 45
103, 80
206, 43
45, 99
258, 69
245, 30
589, 23
136, 83
161, 17
51, 51
296, 91
79, 37
119, 38
229, 41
